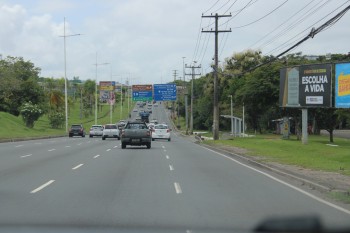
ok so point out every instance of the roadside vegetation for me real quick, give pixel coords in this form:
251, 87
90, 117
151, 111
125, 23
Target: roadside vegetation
318, 154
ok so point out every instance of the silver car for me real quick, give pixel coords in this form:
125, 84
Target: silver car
96, 130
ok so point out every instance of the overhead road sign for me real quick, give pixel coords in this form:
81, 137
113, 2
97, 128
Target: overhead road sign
165, 92
142, 92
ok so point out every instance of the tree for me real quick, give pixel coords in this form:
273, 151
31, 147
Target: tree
19, 84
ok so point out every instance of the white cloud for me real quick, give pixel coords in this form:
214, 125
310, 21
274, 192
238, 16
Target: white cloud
146, 39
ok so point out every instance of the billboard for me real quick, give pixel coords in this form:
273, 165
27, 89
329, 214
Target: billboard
306, 86
142, 92
107, 95
342, 85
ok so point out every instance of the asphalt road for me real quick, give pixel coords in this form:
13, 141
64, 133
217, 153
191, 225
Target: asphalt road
173, 185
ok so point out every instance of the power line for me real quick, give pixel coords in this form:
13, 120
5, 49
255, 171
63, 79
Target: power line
222, 6
313, 33
257, 20
294, 24
269, 33
202, 51
211, 7
242, 9
307, 28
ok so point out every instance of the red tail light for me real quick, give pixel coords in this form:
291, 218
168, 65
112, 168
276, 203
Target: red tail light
168, 130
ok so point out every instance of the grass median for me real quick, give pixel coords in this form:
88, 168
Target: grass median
318, 154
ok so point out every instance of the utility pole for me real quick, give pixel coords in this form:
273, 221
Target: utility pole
184, 92
173, 108
193, 74
216, 94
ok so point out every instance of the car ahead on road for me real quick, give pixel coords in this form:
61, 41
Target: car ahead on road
76, 130
96, 130
110, 131
161, 131
136, 133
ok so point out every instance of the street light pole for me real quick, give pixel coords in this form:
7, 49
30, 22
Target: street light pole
96, 64
231, 116
65, 70
184, 89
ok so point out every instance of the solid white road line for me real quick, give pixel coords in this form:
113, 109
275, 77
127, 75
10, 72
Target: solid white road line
177, 188
96, 156
171, 167
23, 156
51, 149
78, 166
167, 157
108, 149
285, 183
42, 186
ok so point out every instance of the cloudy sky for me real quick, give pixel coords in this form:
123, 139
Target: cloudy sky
145, 40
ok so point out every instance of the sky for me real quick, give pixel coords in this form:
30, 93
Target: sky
144, 41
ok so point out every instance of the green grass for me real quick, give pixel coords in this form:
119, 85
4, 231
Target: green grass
14, 127
341, 196
315, 155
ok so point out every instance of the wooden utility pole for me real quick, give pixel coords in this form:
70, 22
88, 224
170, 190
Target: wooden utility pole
216, 95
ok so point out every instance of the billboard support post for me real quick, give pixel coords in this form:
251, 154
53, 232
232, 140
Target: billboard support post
304, 126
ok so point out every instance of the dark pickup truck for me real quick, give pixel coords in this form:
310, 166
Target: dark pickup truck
136, 133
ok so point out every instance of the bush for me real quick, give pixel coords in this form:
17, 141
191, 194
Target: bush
30, 113
56, 120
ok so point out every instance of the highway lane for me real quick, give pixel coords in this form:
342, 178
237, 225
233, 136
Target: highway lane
173, 185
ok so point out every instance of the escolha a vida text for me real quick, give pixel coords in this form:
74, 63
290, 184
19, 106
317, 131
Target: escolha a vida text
314, 83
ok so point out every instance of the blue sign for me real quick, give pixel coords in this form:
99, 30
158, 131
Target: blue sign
164, 92
342, 85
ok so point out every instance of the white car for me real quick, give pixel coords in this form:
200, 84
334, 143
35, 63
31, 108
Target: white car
96, 130
110, 131
161, 131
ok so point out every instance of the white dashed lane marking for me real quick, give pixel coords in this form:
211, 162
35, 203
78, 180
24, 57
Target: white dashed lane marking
51, 149
177, 188
23, 156
96, 156
42, 186
78, 166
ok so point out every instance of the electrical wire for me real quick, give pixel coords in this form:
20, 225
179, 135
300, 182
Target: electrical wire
199, 36
269, 33
313, 32
308, 28
230, 6
211, 7
222, 6
294, 24
257, 20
